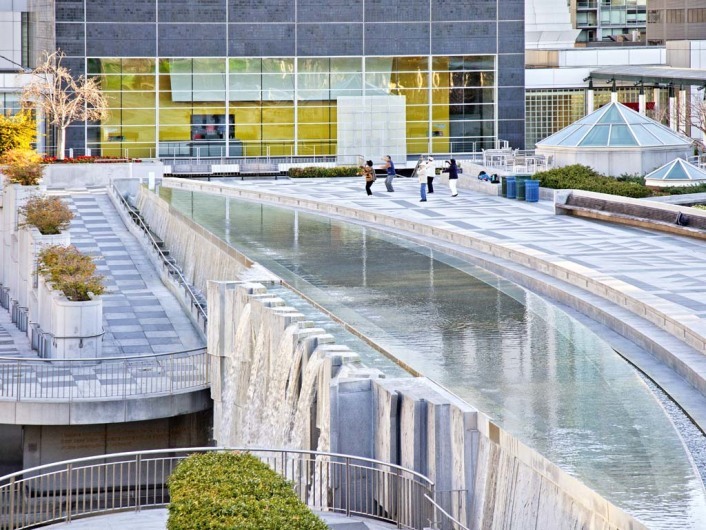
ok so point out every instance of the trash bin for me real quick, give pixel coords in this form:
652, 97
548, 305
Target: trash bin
511, 190
532, 190
503, 186
520, 186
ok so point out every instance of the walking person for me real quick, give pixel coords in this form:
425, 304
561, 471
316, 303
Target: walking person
453, 177
369, 174
422, 168
430, 174
390, 170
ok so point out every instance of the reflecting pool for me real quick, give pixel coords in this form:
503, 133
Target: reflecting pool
538, 372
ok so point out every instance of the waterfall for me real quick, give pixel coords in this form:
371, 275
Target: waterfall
257, 390
302, 418
228, 424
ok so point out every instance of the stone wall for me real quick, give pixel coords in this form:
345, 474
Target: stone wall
278, 381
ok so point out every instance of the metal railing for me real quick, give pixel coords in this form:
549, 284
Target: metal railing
132, 481
195, 300
68, 380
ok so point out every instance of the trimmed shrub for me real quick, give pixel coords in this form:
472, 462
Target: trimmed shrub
700, 206
225, 491
683, 190
49, 215
71, 272
17, 132
23, 166
88, 160
578, 177
322, 172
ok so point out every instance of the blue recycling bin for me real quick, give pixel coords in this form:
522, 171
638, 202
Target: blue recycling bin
511, 188
532, 191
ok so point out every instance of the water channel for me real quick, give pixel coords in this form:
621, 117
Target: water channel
539, 373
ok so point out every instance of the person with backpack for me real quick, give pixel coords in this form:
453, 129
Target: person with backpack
369, 174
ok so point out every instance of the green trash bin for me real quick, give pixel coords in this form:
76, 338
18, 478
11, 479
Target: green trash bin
521, 180
503, 186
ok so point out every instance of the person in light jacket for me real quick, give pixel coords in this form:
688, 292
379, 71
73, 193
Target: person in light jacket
453, 177
430, 174
422, 169
389, 168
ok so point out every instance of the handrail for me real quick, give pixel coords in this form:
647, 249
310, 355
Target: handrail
447, 514
146, 229
88, 360
114, 378
329, 482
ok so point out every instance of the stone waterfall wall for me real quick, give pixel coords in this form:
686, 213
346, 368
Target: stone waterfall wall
277, 381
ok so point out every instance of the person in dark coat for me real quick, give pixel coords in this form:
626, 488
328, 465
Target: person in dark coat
453, 177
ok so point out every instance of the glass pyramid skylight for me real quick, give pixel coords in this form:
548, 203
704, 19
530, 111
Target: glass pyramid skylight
615, 125
678, 169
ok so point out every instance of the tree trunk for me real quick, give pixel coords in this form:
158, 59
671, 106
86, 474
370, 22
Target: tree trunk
61, 144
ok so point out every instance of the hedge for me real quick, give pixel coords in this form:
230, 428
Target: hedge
226, 491
578, 177
322, 172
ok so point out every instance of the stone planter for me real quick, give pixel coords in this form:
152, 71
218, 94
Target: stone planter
29, 279
14, 197
77, 327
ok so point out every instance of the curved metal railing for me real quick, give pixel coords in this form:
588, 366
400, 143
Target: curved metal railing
34, 379
131, 481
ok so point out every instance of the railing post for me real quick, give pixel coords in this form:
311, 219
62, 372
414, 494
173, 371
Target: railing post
69, 485
348, 486
12, 504
171, 374
398, 490
124, 379
138, 482
19, 379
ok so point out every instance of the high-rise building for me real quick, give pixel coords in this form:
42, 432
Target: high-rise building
676, 20
610, 20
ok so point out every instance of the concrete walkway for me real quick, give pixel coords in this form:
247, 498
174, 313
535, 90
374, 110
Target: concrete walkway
618, 275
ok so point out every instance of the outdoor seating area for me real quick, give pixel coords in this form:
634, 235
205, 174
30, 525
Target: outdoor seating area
517, 160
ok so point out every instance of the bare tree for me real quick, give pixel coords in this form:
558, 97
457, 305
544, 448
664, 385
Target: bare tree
62, 98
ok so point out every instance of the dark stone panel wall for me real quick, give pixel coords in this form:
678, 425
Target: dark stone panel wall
329, 39
70, 38
260, 11
181, 11
396, 39
121, 40
508, 41
120, 11
69, 10
511, 70
455, 10
329, 10
463, 38
511, 9
274, 40
192, 40
391, 11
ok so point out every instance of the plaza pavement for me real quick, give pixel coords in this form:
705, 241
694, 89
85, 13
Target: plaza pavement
140, 315
662, 271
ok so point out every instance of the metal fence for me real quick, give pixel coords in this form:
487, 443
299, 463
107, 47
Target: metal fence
132, 481
103, 378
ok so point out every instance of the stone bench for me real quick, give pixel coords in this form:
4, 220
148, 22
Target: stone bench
635, 212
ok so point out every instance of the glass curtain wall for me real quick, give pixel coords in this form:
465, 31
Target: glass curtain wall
212, 107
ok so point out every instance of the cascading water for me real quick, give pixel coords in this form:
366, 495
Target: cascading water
257, 389
302, 418
243, 337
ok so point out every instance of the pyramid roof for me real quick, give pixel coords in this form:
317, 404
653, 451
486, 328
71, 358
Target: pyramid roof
615, 125
678, 169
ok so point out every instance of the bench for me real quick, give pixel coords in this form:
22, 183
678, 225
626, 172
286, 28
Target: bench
629, 211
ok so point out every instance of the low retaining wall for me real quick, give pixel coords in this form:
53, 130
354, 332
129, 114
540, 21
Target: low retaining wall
278, 380
97, 175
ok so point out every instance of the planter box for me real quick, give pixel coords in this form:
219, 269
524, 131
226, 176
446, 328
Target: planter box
77, 327
14, 197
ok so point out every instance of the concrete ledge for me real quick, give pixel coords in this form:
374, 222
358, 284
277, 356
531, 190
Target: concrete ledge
51, 412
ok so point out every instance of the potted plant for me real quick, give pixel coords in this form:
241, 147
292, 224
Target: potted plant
45, 221
71, 308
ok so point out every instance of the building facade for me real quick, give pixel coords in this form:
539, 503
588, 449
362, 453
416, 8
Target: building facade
676, 20
236, 77
608, 20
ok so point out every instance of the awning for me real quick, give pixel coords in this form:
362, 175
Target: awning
652, 75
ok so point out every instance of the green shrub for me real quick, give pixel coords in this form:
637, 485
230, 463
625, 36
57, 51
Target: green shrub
700, 206
578, 177
49, 215
322, 172
683, 190
227, 491
23, 166
71, 272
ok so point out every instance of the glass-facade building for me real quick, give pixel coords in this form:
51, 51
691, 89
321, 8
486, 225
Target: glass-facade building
237, 77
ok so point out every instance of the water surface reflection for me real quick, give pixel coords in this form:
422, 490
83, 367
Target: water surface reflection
541, 374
